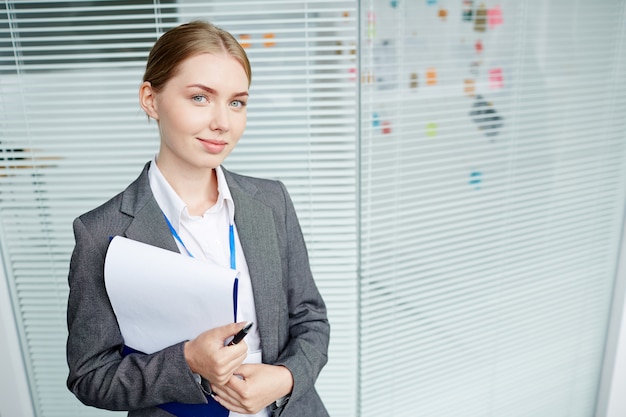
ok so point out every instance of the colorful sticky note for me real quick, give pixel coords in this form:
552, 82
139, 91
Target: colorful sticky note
352, 72
470, 87
394, 3
386, 127
468, 10
375, 120
269, 40
443, 14
494, 16
243, 38
496, 79
431, 76
431, 2
431, 129
478, 46
480, 23
338, 51
367, 78
476, 178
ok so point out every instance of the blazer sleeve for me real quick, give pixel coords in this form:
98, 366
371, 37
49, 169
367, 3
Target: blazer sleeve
98, 374
305, 353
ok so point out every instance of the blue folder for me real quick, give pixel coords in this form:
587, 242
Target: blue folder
211, 409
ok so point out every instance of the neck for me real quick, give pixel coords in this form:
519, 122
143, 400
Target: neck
197, 188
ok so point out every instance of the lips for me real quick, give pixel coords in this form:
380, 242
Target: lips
213, 146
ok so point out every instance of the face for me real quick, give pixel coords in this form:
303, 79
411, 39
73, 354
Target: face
201, 112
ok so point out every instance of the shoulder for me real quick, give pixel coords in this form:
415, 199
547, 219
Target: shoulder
268, 191
101, 213
120, 209
249, 183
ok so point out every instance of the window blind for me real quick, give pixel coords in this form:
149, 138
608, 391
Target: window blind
493, 156
72, 135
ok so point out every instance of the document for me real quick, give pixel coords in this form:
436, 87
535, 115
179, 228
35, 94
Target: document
161, 297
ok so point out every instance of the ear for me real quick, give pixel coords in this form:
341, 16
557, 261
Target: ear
147, 100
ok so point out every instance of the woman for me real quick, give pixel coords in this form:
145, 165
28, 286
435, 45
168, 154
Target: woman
196, 88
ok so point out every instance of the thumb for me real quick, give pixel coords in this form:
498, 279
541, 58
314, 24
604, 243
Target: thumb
230, 329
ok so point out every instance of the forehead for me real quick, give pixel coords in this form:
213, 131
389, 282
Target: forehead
220, 68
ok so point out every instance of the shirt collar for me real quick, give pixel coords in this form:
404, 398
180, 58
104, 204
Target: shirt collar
174, 207
223, 194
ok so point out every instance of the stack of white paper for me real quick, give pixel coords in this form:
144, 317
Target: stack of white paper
161, 297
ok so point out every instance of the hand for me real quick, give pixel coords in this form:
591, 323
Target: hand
207, 355
254, 387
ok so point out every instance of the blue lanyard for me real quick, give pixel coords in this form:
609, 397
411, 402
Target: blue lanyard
233, 263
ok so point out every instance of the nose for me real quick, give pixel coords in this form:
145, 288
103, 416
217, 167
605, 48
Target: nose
219, 119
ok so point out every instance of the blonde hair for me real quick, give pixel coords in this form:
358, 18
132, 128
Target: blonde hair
188, 40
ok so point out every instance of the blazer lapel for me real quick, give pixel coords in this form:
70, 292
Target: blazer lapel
148, 224
257, 234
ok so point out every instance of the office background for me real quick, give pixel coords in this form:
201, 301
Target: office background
458, 168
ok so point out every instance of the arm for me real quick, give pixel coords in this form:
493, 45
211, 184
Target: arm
303, 344
306, 351
99, 376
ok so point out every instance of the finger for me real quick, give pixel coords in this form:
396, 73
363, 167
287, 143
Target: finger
245, 370
230, 404
229, 330
236, 354
237, 384
228, 398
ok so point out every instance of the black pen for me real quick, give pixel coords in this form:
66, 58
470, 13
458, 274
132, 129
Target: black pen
242, 333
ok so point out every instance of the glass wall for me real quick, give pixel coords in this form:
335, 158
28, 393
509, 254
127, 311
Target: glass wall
493, 158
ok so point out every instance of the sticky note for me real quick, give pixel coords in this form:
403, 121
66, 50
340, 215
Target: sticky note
375, 120
352, 72
469, 87
431, 129
413, 83
338, 51
443, 14
269, 40
431, 2
476, 178
468, 10
386, 127
431, 76
243, 38
496, 79
478, 46
480, 22
494, 16
394, 3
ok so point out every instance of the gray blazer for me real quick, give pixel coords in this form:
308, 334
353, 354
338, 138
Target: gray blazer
291, 314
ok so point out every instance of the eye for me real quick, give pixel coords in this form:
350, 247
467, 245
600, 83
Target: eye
237, 103
199, 98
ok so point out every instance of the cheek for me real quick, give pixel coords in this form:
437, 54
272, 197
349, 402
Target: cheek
240, 123
185, 121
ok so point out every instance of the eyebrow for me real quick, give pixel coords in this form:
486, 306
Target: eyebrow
214, 92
